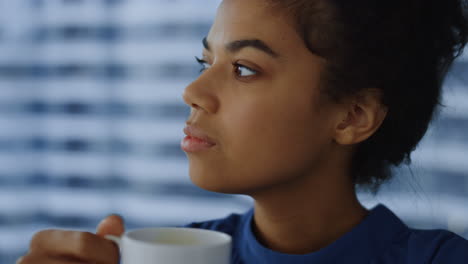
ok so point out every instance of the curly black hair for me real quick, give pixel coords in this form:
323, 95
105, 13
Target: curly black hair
404, 48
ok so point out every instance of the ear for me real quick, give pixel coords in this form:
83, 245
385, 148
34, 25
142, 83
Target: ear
362, 115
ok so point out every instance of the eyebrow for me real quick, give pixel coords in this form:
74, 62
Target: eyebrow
237, 45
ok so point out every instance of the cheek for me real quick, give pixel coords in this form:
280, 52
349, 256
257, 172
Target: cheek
272, 143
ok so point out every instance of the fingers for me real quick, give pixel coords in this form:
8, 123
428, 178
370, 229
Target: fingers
33, 259
72, 245
111, 225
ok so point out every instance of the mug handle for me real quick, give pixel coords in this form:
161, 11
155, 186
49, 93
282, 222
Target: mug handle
115, 239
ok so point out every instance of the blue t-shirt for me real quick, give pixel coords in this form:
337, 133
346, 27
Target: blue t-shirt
380, 238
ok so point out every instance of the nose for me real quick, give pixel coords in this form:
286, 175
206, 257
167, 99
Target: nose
201, 96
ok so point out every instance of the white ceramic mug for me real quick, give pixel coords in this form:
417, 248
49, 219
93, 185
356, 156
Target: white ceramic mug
167, 245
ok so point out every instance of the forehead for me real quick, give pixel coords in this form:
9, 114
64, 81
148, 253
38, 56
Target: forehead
249, 19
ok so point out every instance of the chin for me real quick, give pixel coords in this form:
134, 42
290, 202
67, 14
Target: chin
213, 182
216, 183
208, 184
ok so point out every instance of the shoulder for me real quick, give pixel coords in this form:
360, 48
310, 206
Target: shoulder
228, 224
395, 242
437, 246
425, 246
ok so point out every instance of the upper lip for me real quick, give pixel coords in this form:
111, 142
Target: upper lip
193, 131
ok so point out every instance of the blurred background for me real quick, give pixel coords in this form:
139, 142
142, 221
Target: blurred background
91, 117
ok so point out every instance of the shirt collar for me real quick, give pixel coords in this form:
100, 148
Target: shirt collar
365, 241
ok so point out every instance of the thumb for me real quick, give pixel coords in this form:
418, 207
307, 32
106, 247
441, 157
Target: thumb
111, 225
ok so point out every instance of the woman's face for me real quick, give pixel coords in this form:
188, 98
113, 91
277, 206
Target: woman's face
258, 99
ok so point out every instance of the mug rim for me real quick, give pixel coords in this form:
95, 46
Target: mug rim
221, 237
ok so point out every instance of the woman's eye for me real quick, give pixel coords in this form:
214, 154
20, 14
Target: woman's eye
243, 71
203, 63
239, 69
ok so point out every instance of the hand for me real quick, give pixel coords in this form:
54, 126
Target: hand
73, 247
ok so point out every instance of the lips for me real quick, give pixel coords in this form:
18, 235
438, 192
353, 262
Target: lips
197, 133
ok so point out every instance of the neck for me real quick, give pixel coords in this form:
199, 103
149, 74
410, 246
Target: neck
306, 215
